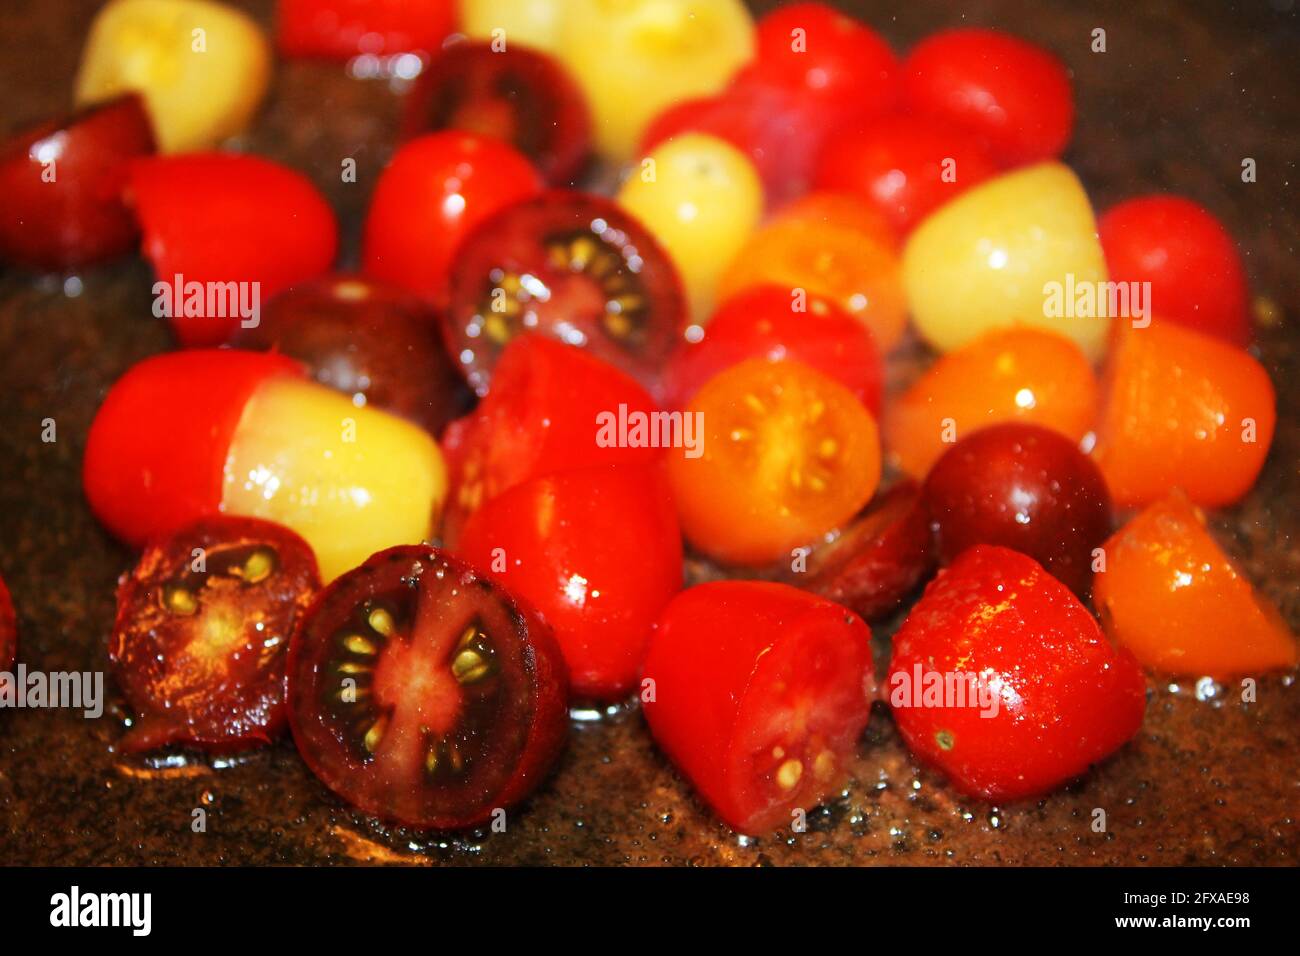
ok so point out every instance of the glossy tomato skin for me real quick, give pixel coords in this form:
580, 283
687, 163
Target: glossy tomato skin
434, 191
758, 692
264, 226
1024, 487
376, 343
1195, 270
200, 653
1012, 94
760, 322
341, 29
79, 217
518, 95
153, 463
1065, 698
598, 553
8, 629
469, 681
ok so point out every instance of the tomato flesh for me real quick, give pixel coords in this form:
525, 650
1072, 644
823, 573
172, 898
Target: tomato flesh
8, 629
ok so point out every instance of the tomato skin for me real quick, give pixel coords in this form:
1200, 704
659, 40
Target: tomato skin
340, 29
262, 223
157, 445
1013, 94
79, 218
716, 662
1195, 270
598, 553
1066, 698
8, 629
434, 191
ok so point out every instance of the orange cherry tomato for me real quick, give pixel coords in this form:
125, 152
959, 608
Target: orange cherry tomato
835, 245
1018, 374
1180, 407
788, 454
1172, 596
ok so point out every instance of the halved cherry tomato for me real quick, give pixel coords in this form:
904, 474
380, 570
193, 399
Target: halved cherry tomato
762, 322
787, 454
1196, 273
1171, 596
203, 623
1013, 94
569, 265
63, 181
517, 95
8, 629
907, 166
341, 29
1011, 375
423, 693
1001, 679
377, 344
597, 552
542, 415
758, 693
1181, 408
264, 228
435, 190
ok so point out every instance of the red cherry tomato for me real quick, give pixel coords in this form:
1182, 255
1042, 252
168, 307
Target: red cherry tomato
422, 693
202, 626
1003, 680
63, 182
598, 553
341, 29
436, 189
569, 265
907, 166
758, 693
1014, 95
8, 629
1196, 273
145, 482
760, 322
517, 95
220, 218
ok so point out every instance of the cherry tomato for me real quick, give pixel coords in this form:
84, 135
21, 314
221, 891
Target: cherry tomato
543, 415
758, 693
787, 454
264, 228
1170, 595
1016, 374
907, 166
341, 29
1196, 273
377, 344
568, 265
598, 553
1024, 487
1013, 94
203, 68
63, 180
1181, 408
535, 23
516, 95
203, 623
8, 629
762, 322
832, 245
1002, 680
422, 693
436, 189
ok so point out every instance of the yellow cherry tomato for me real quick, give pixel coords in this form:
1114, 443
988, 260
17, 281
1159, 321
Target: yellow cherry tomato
701, 198
633, 58
1020, 249
202, 67
351, 481
534, 23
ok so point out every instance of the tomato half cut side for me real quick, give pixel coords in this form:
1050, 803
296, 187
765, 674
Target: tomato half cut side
203, 623
424, 694
8, 629
573, 267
